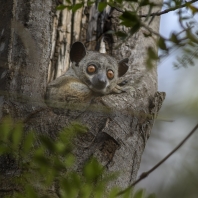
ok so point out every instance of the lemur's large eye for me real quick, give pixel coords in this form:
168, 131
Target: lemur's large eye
91, 69
110, 74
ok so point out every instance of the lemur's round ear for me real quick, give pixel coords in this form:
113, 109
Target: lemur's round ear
123, 67
77, 52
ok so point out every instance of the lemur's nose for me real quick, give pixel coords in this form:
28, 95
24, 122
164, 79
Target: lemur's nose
100, 81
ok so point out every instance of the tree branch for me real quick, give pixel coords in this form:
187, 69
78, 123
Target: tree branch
145, 174
168, 10
162, 12
149, 29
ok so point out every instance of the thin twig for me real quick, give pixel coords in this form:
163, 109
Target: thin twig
159, 13
145, 174
168, 10
149, 29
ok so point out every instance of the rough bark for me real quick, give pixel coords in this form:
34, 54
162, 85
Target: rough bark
34, 49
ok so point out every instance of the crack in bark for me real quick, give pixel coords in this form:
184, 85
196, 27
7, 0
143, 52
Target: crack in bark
132, 168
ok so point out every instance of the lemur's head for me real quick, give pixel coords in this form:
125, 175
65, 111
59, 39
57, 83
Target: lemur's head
100, 72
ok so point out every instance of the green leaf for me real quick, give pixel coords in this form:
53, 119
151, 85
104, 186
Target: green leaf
144, 3
76, 180
5, 128
70, 132
47, 143
110, 32
60, 147
79, 128
86, 191
162, 43
30, 192
129, 19
77, 6
89, 3
174, 38
139, 194
99, 190
113, 193
68, 1
102, 6
122, 35
109, 177
135, 28
17, 134
188, 51
4, 149
50, 177
192, 44
70, 185
28, 142
42, 161
70, 160
58, 165
152, 54
185, 18
92, 170
193, 9
191, 36
119, 1
61, 7
128, 193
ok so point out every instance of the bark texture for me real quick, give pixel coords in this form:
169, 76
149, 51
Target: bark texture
34, 50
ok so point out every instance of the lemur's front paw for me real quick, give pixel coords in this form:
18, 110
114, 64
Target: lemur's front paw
124, 82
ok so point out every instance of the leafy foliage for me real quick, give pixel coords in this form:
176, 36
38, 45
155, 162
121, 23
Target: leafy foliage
188, 56
133, 20
46, 166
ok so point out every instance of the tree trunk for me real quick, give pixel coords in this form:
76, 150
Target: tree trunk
34, 49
